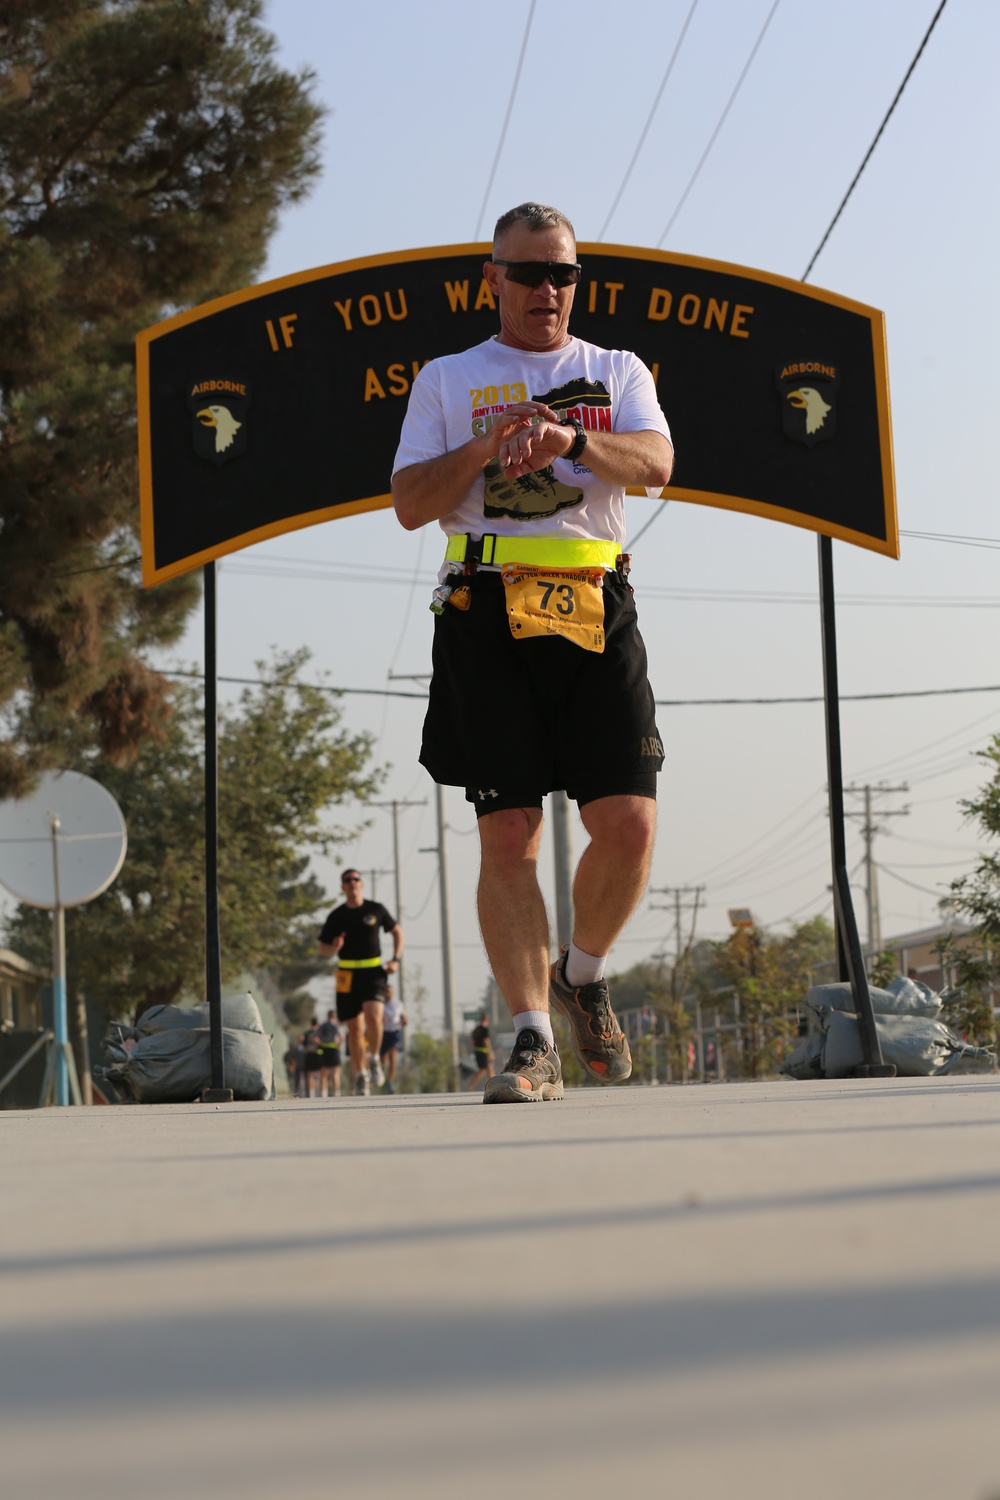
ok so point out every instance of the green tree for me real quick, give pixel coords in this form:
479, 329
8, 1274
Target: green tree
884, 968
146, 147
428, 1067
769, 975
976, 897
283, 760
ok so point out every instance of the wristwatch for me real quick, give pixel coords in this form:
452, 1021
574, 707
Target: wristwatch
581, 436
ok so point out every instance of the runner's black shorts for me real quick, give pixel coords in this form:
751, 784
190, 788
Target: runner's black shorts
330, 1057
313, 1062
482, 1059
390, 1042
540, 714
366, 984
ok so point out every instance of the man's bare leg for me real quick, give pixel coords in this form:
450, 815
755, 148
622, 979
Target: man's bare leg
609, 883
614, 869
374, 1011
516, 933
512, 915
356, 1046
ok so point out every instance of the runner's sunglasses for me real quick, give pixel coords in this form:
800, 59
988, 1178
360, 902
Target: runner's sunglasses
533, 272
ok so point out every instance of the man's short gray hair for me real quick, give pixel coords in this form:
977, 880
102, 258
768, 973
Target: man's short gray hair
535, 215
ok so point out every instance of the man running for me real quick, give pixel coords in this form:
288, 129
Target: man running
393, 1020
522, 449
330, 1038
351, 934
482, 1051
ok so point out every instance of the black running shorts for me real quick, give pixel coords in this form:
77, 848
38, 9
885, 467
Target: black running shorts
366, 984
542, 713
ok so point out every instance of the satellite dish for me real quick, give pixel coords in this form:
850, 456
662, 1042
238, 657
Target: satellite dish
71, 821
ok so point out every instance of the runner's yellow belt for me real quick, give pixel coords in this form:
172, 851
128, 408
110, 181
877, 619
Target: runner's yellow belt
359, 963
538, 551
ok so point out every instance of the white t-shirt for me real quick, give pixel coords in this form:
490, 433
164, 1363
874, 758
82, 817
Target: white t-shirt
458, 396
392, 1014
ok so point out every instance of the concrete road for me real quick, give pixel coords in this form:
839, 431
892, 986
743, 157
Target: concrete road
775, 1290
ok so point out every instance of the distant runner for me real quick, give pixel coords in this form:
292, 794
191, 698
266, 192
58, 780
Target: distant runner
330, 1037
351, 934
393, 1021
482, 1051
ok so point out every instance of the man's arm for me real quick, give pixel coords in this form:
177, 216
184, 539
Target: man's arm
628, 458
329, 950
434, 488
396, 934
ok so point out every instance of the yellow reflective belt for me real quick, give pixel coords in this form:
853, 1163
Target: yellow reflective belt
538, 551
359, 963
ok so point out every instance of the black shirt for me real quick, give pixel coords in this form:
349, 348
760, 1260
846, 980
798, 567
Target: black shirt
480, 1038
360, 926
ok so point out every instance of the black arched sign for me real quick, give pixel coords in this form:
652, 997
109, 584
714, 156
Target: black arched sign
280, 405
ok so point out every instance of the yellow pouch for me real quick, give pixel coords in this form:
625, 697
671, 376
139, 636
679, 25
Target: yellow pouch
556, 601
343, 981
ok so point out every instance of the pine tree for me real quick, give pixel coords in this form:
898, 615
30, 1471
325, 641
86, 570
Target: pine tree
284, 762
146, 147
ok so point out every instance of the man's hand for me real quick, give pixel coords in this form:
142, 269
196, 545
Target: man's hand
429, 490
391, 966
535, 446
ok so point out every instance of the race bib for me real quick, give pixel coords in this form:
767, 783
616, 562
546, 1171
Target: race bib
343, 981
556, 601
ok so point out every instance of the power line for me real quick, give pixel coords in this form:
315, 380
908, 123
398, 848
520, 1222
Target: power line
988, 543
506, 118
649, 118
325, 687
365, 575
898, 761
843, 698
878, 135
319, 687
926, 890
722, 120
738, 855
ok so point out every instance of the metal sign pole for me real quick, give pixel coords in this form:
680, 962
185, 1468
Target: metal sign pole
62, 1085
60, 1024
851, 962
218, 1093
446, 960
562, 845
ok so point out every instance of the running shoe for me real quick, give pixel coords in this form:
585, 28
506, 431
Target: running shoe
598, 1040
375, 1069
390, 1087
362, 1084
533, 1073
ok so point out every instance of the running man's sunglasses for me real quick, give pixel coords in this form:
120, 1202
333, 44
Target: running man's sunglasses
534, 272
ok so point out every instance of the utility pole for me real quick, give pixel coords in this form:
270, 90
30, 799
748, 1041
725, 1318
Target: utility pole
394, 807
447, 988
372, 876
869, 828
682, 949
563, 851
678, 892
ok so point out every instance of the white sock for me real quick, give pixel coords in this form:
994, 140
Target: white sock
583, 968
536, 1020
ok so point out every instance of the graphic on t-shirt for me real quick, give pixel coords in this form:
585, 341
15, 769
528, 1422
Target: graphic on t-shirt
535, 496
589, 401
528, 498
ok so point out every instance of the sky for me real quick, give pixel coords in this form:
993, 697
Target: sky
415, 154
